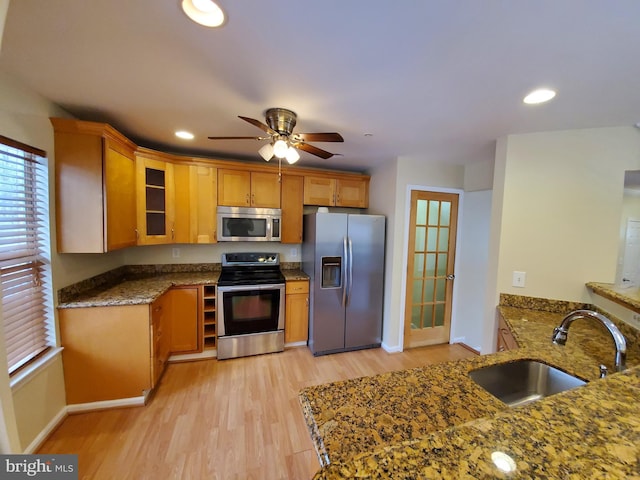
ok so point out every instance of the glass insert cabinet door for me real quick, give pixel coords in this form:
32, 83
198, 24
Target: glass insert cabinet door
430, 267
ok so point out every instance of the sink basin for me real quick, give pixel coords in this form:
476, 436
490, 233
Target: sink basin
523, 381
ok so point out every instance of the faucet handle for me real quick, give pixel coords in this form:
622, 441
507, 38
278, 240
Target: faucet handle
559, 336
603, 371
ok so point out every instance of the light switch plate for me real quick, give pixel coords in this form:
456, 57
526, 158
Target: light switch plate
519, 279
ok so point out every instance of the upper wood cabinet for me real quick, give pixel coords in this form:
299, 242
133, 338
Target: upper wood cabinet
292, 208
203, 193
336, 192
95, 187
155, 194
244, 188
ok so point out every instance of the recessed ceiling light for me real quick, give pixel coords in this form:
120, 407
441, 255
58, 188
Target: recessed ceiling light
184, 135
540, 95
204, 12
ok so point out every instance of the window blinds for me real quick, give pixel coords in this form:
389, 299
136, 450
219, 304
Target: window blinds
25, 280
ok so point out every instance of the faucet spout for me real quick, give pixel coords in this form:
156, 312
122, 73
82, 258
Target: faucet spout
561, 332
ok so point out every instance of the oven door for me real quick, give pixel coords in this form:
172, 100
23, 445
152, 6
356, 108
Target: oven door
249, 309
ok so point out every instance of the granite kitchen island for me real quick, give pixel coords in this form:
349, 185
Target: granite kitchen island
435, 422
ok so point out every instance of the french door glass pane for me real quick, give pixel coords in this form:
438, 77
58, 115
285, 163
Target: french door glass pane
418, 265
439, 314
415, 317
427, 316
420, 239
428, 291
417, 291
434, 217
432, 239
440, 287
431, 265
421, 212
442, 264
443, 240
445, 214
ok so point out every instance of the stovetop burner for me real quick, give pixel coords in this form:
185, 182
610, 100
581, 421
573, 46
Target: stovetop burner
249, 268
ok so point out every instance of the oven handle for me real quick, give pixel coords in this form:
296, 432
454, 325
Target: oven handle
240, 288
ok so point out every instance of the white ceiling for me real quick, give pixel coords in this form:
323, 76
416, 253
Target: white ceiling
439, 79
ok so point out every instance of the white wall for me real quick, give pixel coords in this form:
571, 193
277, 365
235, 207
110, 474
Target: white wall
472, 261
556, 212
382, 201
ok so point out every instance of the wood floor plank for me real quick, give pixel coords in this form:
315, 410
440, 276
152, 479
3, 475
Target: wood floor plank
233, 419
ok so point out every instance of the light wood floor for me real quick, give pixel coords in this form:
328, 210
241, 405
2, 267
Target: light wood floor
233, 419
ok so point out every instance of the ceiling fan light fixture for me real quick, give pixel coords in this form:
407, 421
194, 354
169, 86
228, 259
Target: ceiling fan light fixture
292, 156
266, 152
204, 12
280, 148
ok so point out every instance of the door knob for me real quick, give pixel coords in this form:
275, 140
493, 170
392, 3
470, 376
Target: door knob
451, 276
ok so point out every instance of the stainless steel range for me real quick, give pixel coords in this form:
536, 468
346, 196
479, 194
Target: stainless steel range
251, 304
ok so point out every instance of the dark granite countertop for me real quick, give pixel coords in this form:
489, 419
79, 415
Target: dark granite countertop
435, 422
139, 291
628, 297
293, 274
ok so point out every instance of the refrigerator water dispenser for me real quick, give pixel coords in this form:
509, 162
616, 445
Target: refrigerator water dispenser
331, 272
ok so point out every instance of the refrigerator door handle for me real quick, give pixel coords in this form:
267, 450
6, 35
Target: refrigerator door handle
350, 270
344, 271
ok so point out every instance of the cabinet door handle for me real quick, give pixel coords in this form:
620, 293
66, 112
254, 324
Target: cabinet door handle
248, 203
137, 235
173, 234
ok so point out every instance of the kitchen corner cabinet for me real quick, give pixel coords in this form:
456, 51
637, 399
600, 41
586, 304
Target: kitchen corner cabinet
296, 326
243, 188
117, 352
184, 320
505, 337
292, 208
95, 187
107, 352
336, 192
155, 187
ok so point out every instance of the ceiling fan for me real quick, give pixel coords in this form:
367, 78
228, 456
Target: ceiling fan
282, 141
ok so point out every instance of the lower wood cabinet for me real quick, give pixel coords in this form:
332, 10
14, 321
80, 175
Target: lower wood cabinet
118, 352
296, 326
184, 319
506, 341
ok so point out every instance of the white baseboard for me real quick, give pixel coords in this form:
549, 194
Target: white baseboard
209, 353
106, 404
392, 349
458, 340
295, 344
46, 431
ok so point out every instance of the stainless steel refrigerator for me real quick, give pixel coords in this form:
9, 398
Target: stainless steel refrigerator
343, 254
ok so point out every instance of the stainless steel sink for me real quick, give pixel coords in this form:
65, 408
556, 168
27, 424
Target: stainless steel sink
523, 381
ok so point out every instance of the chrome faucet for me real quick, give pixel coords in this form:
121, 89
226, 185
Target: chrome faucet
560, 335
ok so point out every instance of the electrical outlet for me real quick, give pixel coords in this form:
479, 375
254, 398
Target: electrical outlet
175, 252
636, 320
519, 279
293, 252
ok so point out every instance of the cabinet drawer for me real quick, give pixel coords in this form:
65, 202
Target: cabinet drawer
297, 286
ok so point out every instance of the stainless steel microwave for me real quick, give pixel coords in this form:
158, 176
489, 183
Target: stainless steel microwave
240, 224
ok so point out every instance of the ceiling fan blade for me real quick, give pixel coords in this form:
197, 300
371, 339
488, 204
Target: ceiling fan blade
318, 152
237, 138
259, 124
319, 137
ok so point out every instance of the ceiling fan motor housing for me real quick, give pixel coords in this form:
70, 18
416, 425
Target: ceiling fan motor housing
281, 120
